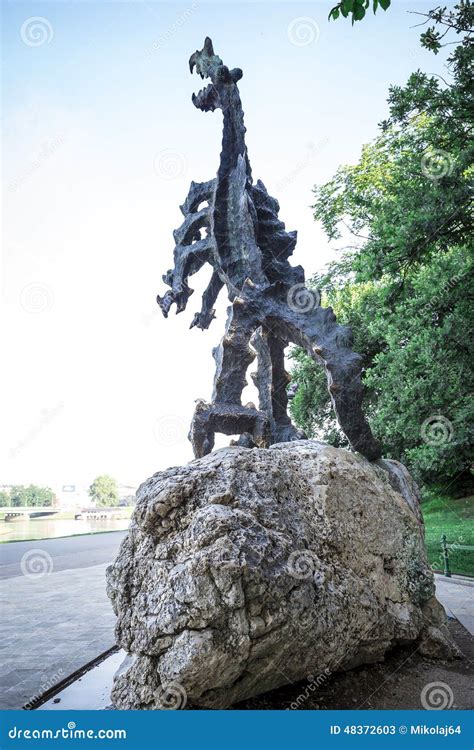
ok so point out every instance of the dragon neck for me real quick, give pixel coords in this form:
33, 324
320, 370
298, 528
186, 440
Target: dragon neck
233, 226
233, 138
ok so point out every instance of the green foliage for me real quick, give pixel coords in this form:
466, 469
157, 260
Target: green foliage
104, 491
453, 517
355, 9
408, 199
404, 281
31, 496
459, 18
4, 499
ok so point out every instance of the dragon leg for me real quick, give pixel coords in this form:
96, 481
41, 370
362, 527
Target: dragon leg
226, 414
271, 380
329, 344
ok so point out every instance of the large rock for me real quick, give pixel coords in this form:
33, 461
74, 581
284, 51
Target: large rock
251, 568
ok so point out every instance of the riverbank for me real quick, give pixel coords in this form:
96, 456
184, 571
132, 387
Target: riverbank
60, 525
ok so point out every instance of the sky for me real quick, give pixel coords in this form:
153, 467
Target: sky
100, 142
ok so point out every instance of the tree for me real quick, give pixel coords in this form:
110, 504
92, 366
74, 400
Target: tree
31, 496
103, 491
404, 280
356, 8
17, 496
4, 499
39, 496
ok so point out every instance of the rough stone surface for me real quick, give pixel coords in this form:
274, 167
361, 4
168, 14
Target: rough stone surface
250, 568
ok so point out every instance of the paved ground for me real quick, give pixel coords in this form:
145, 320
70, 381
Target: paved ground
66, 553
457, 597
55, 615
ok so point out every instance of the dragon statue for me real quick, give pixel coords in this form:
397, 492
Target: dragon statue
232, 223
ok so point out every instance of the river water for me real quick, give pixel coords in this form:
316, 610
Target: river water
48, 528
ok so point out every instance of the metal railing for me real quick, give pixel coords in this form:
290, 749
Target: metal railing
445, 547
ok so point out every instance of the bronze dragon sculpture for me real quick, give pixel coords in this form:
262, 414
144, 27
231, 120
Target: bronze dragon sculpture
248, 248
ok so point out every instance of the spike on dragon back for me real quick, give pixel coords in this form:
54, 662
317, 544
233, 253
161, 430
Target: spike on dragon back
248, 248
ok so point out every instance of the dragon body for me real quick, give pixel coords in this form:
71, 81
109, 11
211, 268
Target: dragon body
232, 224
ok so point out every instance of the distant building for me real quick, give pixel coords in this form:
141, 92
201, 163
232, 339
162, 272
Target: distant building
127, 494
71, 496
75, 495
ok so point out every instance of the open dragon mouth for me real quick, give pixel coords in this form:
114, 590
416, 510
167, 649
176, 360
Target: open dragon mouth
207, 99
209, 65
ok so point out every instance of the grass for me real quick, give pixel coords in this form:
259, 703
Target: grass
455, 518
443, 515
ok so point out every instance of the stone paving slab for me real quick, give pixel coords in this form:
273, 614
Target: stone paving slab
50, 626
457, 597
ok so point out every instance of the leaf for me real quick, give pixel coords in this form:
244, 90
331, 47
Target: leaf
334, 14
375, 4
347, 6
358, 13
384, 4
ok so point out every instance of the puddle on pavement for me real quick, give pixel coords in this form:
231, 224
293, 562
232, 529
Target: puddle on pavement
91, 692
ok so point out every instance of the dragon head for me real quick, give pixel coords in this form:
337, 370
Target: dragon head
208, 65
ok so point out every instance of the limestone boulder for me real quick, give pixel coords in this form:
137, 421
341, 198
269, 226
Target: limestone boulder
251, 568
